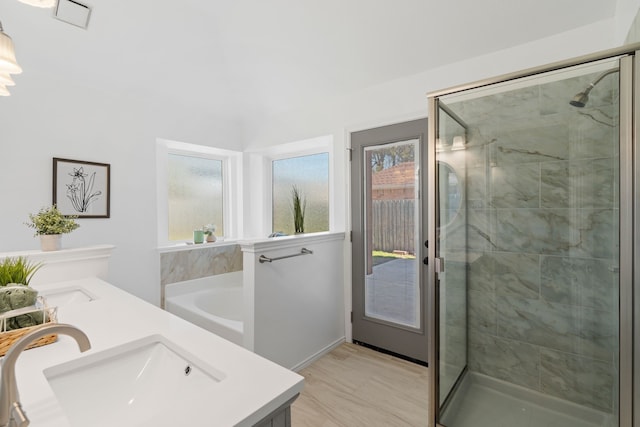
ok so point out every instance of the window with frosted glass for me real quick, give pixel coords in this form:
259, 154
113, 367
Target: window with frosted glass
310, 176
195, 195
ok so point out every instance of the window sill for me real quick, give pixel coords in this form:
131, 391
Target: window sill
193, 246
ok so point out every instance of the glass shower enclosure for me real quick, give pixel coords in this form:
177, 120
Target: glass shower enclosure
531, 274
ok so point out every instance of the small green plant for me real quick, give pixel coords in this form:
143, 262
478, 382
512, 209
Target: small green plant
17, 270
51, 221
299, 203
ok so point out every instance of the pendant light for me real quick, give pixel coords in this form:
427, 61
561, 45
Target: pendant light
39, 3
6, 80
8, 64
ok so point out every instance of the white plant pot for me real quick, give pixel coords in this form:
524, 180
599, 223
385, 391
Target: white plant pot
50, 242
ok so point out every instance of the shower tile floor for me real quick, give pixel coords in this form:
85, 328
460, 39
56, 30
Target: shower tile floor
483, 403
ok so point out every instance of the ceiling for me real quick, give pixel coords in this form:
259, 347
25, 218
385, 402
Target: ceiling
242, 58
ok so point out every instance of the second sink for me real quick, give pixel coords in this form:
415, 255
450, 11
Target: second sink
147, 382
66, 296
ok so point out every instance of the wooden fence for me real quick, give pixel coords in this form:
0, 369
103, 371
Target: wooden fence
393, 225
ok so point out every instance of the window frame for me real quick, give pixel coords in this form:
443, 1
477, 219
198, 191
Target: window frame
231, 186
308, 147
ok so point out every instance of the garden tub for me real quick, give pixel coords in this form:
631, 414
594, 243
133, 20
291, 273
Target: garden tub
213, 303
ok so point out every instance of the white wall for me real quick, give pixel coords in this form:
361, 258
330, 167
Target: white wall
633, 36
626, 11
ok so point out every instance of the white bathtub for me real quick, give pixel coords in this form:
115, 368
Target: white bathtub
213, 303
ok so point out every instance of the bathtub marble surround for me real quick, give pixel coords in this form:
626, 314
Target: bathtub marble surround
541, 210
195, 262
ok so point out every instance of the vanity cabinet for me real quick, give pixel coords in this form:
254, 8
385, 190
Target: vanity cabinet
281, 417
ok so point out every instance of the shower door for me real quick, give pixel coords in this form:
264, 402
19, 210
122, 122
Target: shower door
531, 278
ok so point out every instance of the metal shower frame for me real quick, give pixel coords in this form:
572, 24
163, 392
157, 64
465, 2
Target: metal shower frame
629, 350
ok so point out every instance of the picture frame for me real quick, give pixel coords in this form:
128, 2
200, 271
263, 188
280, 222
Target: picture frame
81, 188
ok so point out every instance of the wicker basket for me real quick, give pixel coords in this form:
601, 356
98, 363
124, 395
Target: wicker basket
8, 338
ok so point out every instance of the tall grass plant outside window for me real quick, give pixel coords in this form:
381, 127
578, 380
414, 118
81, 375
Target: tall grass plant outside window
310, 175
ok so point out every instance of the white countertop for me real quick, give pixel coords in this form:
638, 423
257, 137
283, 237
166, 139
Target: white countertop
253, 387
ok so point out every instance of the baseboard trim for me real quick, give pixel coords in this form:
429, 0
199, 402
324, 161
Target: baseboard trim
308, 361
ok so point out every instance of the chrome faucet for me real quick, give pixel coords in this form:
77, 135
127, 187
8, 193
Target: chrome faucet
11, 412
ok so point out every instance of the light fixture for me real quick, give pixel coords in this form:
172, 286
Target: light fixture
458, 143
6, 80
8, 63
39, 3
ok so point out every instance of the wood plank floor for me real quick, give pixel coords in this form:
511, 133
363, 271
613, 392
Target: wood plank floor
354, 386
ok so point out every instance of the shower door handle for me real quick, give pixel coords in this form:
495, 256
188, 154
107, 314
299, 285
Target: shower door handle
439, 264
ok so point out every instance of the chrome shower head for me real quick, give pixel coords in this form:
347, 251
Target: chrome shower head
581, 98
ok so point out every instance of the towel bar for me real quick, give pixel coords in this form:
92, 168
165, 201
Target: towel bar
303, 251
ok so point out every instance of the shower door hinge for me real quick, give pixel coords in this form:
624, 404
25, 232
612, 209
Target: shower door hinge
350, 150
351, 236
352, 317
439, 264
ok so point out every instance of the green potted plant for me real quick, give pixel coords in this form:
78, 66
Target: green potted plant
50, 224
299, 205
15, 293
17, 270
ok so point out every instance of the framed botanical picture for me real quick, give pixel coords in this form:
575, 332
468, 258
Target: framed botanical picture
81, 188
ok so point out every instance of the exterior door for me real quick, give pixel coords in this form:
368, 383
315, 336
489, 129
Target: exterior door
387, 242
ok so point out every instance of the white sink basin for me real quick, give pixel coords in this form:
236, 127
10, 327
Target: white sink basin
66, 296
148, 382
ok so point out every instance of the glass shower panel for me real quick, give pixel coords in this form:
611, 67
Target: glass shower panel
536, 236
452, 232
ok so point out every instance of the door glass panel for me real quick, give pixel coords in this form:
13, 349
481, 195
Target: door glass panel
392, 291
452, 232
534, 247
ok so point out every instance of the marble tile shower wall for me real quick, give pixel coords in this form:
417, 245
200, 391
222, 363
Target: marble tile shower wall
542, 215
199, 262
